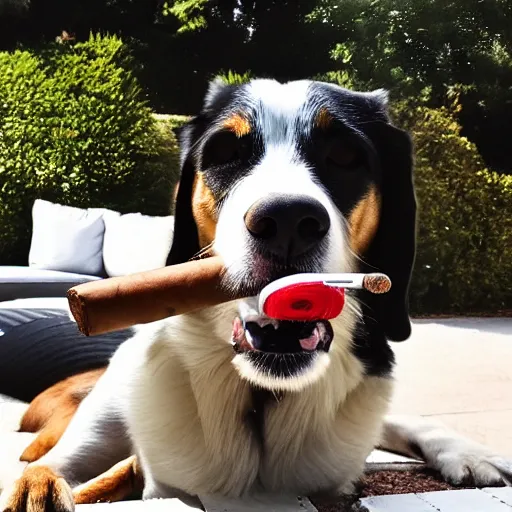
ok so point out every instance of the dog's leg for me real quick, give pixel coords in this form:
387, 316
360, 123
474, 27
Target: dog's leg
116, 484
50, 413
155, 490
46, 438
95, 440
459, 459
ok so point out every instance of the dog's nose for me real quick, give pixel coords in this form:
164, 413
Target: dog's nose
288, 225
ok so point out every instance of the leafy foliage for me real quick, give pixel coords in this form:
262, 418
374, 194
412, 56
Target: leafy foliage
415, 46
389, 41
343, 78
75, 129
188, 12
232, 78
465, 220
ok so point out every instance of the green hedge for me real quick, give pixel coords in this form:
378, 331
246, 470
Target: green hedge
75, 129
464, 259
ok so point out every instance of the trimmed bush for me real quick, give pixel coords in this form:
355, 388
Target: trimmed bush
75, 129
464, 259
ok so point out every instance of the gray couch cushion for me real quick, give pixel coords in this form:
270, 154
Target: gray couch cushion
25, 282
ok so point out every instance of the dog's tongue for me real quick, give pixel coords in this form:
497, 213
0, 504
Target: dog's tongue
312, 342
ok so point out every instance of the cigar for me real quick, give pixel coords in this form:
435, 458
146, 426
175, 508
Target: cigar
377, 283
118, 302
374, 283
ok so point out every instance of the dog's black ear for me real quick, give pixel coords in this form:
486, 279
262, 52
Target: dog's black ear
185, 239
393, 249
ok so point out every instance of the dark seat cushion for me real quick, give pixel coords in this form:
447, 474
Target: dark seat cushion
40, 347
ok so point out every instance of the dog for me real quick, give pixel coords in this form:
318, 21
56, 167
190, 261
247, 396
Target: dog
277, 179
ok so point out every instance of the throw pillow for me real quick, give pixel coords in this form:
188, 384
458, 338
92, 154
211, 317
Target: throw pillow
66, 238
136, 243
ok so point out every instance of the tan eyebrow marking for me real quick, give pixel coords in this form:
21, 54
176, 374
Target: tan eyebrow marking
238, 124
364, 220
323, 118
204, 210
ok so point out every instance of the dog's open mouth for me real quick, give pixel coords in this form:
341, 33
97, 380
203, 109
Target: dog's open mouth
279, 355
283, 337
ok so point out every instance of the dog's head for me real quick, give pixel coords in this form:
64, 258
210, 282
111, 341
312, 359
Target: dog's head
299, 177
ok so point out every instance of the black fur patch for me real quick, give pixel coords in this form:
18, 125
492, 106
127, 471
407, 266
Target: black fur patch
371, 347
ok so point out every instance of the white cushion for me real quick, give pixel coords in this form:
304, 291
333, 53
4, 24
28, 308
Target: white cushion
37, 303
67, 239
104, 212
136, 243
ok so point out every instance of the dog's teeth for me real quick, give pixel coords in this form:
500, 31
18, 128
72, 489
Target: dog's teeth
325, 333
248, 307
251, 318
248, 311
249, 338
262, 321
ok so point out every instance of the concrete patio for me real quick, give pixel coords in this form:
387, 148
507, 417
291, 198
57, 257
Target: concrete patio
458, 371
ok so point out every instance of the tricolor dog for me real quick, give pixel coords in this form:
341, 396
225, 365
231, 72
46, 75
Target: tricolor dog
277, 179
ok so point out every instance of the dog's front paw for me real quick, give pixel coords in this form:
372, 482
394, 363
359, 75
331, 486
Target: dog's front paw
38, 490
467, 463
459, 459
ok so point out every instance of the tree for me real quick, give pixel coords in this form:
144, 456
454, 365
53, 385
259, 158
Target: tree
425, 42
410, 45
269, 37
182, 44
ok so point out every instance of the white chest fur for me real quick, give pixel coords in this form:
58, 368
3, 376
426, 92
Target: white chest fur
188, 417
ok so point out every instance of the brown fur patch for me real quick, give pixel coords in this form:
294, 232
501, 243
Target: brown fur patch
116, 484
204, 211
363, 221
51, 411
40, 488
323, 119
237, 124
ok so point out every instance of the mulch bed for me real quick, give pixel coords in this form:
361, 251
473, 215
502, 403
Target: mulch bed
380, 483
403, 482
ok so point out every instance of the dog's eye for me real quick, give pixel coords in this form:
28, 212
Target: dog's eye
344, 155
224, 148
